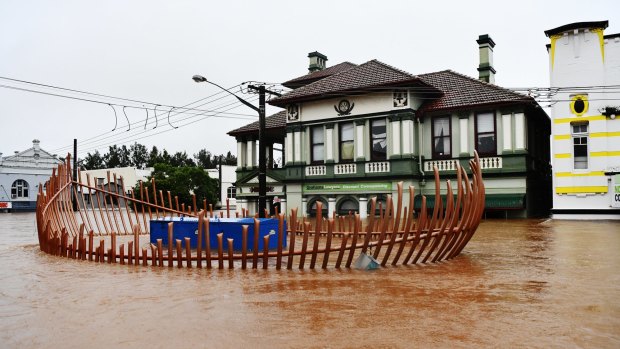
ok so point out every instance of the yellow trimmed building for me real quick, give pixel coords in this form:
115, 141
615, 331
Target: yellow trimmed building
584, 66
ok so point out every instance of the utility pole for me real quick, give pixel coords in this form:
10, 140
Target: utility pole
262, 162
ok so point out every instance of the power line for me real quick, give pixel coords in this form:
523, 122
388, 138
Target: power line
178, 110
114, 139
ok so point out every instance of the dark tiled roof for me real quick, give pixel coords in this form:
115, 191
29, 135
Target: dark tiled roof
357, 79
277, 120
458, 91
461, 91
317, 75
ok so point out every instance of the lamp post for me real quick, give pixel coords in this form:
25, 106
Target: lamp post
262, 163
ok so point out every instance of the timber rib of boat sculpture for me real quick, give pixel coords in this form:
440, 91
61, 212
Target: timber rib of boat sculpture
105, 219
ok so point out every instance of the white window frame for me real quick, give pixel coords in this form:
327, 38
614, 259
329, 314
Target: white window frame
579, 132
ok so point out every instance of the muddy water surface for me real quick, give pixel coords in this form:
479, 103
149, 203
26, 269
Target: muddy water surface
519, 283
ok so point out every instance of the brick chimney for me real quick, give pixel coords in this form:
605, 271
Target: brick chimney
486, 72
35, 144
317, 61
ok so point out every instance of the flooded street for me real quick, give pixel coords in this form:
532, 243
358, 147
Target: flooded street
518, 283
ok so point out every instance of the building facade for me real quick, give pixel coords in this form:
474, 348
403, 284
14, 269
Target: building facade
584, 66
352, 132
20, 177
226, 176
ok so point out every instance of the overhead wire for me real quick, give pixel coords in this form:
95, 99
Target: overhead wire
540, 94
132, 138
115, 138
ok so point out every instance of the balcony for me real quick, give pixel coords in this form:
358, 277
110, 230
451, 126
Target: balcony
319, 170
494, 162
343, 169
442, 165
377, 167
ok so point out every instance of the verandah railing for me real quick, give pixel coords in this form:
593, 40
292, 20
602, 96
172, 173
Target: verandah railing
107, 221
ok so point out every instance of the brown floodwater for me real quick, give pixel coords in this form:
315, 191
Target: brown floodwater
518, 284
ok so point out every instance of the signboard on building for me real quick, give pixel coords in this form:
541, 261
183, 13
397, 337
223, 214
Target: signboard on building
5, 205
615, 193
348, 187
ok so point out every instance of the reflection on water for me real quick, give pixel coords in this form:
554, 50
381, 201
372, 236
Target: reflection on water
519, 283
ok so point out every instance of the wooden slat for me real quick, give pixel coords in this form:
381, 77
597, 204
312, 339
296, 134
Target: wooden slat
266, 251
230, 254
220, 251
244, 246
188, 252
291, 247
304, 245
255, 245
280, 241
328, 243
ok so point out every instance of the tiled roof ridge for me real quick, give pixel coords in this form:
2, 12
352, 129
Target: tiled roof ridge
391, 67
478, 81
320, 73
401, 76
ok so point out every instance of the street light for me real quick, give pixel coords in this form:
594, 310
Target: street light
262, 162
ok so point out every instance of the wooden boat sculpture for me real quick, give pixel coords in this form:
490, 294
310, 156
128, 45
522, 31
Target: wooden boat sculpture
99, 229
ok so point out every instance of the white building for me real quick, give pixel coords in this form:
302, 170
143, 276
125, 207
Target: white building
227, 177
20, 177
584, 65
130, 176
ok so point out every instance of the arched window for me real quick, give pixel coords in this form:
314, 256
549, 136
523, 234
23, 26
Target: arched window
19, 189
231, 192
381, 201
312, 207
347, 205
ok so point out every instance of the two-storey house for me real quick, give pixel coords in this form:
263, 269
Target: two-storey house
351, 132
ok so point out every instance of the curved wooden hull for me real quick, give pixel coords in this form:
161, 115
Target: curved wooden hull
106, 226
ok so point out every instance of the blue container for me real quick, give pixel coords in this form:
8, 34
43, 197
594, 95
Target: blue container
230, 227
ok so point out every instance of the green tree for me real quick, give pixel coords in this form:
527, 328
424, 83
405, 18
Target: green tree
164, 158
154, 157
112, 158
93, 161
203, 159
124, 156
139, 155
181, 159
182, 182
230, 159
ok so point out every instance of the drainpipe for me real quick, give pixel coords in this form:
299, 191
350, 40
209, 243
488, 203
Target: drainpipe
423, 182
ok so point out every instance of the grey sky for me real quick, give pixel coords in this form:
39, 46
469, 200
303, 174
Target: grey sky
148, 51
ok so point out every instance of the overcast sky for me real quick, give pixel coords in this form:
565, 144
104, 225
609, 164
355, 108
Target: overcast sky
149, 50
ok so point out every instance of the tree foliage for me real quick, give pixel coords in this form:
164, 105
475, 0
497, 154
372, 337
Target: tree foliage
137, 155
183, 182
